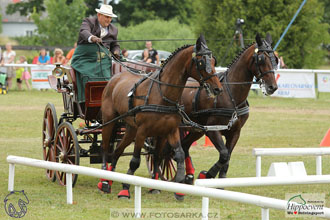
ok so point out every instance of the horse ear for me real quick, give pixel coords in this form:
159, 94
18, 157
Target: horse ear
269, 38
258, 39
199, 44
202, 39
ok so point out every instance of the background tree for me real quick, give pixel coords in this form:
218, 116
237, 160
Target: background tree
62, 24
301, 46
133, 12
155, 29
28, 7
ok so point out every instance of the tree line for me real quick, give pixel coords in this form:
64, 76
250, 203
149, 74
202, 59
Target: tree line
302, 47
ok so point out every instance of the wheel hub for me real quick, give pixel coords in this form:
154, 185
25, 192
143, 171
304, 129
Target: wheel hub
62, 157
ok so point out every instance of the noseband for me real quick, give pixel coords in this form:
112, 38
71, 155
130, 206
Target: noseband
259, 59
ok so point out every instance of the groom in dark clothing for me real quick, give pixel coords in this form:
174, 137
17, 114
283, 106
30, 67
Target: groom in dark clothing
92, 61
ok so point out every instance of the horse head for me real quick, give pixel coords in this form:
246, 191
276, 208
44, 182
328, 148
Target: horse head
204, 68
265, 62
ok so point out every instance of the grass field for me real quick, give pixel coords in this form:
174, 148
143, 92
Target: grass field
273, 122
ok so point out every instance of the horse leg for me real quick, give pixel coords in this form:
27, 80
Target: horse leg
134, 163
231, 142
186, 142
174, 141
216, 138
160, 142
105, 185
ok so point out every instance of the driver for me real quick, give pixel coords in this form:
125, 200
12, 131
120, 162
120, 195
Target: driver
91, 61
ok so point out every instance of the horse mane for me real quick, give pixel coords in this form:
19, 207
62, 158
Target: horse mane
174, 53
239, 55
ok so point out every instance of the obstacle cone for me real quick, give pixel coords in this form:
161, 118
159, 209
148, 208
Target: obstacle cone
208, 142
326, 140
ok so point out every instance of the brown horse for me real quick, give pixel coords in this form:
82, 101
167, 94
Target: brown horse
256, 60
150, 106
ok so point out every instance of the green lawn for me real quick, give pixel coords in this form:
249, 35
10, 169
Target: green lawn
273, 122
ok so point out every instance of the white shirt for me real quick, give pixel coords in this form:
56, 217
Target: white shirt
104, 32
6, 56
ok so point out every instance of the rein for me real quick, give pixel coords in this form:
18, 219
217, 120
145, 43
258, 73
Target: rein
176, 109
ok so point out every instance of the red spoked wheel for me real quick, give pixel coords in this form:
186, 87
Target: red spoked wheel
167, 167
49, 127
66, 150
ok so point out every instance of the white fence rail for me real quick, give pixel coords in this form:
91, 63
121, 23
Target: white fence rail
318, 152
262, 181
264, 202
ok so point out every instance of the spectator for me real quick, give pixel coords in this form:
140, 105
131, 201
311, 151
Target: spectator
58, 56
43, 59
70, 54
22, 73
150, 55
124, 52
280, 64
8, 57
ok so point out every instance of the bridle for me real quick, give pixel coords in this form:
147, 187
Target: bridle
203, 63
259, 59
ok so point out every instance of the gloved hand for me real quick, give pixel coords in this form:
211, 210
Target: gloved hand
116, 54
95, 39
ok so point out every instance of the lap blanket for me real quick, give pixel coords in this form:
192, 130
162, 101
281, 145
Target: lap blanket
91, 64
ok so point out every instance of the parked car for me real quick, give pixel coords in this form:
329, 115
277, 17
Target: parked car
137, 54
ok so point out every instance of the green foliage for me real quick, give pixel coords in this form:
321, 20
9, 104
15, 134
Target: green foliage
301, 46
62, 25
135, 12
155, 29
26, 7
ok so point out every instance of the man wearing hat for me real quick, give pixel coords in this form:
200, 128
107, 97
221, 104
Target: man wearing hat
91, 59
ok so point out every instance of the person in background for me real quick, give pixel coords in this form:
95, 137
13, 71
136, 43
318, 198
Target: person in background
58, 56
23, 74
70, 54
150, 55
43, 59
8, 57
281, 64
124, 52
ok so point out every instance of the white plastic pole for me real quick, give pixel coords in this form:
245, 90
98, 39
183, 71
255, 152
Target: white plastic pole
319, 165
262, 181
69, 196
137, 202
11, 177
264, 214
205, 208
258, 166
290, 151
261, 201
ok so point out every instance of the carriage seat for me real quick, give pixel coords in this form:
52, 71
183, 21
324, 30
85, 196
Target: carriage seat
93, 99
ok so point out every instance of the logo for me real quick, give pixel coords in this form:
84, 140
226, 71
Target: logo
303, 205
15, 204
325, 79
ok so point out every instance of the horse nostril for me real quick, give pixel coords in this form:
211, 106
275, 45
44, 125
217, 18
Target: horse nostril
217, 91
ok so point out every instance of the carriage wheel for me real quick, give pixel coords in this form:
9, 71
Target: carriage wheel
167, 167
49, 127
66, 150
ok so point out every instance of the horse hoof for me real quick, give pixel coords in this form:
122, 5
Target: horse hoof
124, 194
154, 191
179, 196
202, 174
189, 179
104, 186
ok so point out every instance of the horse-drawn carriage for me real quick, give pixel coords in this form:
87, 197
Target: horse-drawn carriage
64, 144
141, 103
